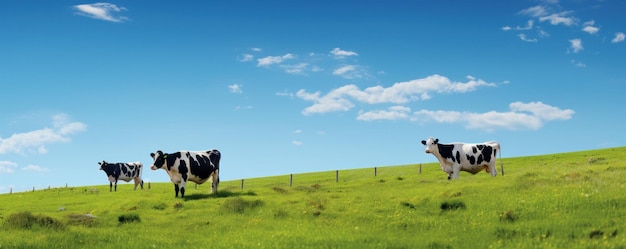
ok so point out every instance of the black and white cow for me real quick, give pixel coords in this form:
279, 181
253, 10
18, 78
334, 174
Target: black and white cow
456, 157
122, 171
183, 166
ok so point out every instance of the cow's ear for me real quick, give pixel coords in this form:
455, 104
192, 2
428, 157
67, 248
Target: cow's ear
436, 140
152, 155
424, 142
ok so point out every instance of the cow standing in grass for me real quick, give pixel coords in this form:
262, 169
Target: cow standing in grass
183, 166
456, 157
122, 171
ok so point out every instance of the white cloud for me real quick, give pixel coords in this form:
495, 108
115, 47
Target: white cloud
36, 141
298, 131
619, 37
530, 116
343, 70
256, 49
576, 45
339, 99
246, 57
270, 60
299, 68
35, 168
340, 54
589, 28
535, 11
559, 18
235, 88
101, 11
7, 167
506, 28
526, 39
297, 143
393, 113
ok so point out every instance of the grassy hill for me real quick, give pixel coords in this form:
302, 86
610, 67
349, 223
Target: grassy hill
569, 200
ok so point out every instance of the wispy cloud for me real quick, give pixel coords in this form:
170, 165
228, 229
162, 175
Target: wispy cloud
271, 60
521, 116
560, 18
523, 37
102, 11
340, 54
589, 28
576, 45
36, 141
392, 113
341, 99
619, 37
35, 168
235, 88
7, 167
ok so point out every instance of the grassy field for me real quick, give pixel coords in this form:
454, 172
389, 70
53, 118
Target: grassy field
570, 200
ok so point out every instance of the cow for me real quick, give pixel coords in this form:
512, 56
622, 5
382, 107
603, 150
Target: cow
183, 166
122, 171
472, 158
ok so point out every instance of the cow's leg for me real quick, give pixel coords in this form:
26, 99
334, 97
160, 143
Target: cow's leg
176, 189
141, 184
110, 186
136, 182
215, 181
449, 176
183, 186
455, 171
115, 185
492, 168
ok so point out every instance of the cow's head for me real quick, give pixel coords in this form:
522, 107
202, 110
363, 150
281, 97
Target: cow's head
159, 160
431, 145
102, 164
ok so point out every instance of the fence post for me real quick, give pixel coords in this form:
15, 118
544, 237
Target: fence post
290, 180
374, 171
11, 191
336, 175
148, 185
420, 168
502, 168
33, 188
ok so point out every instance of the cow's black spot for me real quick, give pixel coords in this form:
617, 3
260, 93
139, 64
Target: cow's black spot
458, 156
480, 159
486, 153
471, 159
480, 147
445, 150
182, 169
474, 149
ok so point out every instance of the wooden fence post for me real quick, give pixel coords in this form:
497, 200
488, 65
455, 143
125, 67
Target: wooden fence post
337, 176
148, 185
502, 168
290, 180
375, 171
11, 191
241, 184
420, 168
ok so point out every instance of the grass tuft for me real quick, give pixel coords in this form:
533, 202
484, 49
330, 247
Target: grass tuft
508, 216
239, 205
128, 218
452, 205
26, 220
86, 220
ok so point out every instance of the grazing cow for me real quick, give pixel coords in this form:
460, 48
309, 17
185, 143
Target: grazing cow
472, 158
183, 166
122, 171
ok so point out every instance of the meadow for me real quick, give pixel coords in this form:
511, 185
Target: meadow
568, 200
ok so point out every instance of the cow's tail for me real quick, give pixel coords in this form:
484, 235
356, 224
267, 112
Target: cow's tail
501, 164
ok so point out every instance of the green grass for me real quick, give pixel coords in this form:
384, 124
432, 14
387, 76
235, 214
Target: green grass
569, 200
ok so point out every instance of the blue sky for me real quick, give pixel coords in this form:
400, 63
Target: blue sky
285, 87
